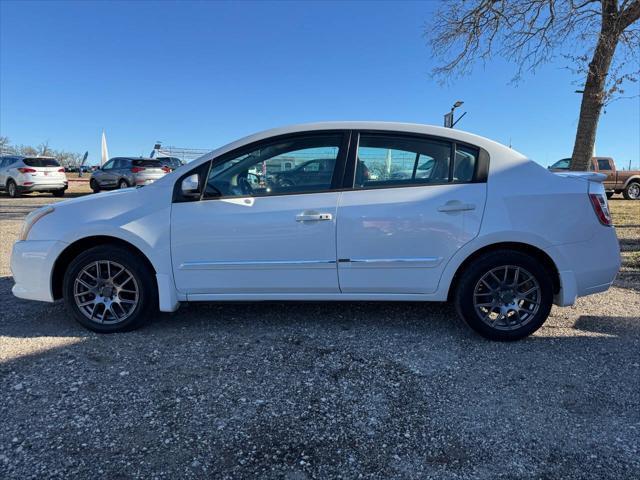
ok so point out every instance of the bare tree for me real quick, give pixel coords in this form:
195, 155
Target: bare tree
44, 150
533, 32
5, 146
67, 159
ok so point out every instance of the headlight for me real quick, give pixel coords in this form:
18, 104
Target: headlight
31, 220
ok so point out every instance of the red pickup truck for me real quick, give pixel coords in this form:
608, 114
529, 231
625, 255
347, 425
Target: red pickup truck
626, 182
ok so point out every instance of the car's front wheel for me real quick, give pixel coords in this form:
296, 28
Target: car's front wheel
505, 295
12, 189
95, 186
108, 290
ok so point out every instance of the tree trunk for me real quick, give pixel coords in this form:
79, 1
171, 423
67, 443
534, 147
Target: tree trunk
594, 95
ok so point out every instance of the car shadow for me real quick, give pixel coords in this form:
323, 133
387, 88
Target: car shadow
268, 372
439, 321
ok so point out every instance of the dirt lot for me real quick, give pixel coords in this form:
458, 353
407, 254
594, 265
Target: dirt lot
301, 391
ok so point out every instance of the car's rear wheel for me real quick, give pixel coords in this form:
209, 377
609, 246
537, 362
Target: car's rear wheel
505, 295
123, 184
108, 290
95, 186
632, 191
58, 193
12, 189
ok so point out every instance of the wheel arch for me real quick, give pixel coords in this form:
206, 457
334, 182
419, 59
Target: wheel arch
522, 247
80, 245
634, 178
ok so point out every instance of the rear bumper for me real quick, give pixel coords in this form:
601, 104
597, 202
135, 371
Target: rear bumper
42, 186
586, 267
31, 265
146, 179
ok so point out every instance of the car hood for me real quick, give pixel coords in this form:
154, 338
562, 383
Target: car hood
99, 198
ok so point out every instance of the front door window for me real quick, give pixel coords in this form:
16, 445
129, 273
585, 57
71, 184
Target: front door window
297, 165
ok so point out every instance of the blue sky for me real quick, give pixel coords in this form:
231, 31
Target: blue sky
201, 74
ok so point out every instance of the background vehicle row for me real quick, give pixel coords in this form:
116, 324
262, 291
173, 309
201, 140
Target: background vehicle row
19, 174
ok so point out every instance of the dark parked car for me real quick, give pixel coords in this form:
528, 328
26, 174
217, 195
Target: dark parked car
310, 172
125, 172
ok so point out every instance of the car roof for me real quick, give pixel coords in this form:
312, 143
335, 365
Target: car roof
22, 157
398, 127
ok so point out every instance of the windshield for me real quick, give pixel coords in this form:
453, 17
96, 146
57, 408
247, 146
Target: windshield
562, 164
41, 162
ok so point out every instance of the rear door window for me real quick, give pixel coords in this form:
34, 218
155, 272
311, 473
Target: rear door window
387, 160
41, 162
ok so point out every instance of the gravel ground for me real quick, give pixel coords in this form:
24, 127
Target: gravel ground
307, 390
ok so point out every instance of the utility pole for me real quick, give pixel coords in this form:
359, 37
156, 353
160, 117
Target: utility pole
448, 117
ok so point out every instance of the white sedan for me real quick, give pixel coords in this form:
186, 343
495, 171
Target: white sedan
485, 227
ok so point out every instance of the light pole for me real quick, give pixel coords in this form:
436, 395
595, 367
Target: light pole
448, 117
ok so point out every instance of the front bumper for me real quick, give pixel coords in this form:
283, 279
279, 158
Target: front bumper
32, 264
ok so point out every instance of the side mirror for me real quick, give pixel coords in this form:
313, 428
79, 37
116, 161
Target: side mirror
191, 186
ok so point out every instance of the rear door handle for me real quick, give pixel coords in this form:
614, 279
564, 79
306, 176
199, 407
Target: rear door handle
313, 217
455, 206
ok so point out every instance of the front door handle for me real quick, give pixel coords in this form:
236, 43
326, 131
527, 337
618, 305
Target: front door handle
456, 206
313, 217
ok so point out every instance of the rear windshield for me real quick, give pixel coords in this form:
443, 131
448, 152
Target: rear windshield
171, 162
146, 163
41, 162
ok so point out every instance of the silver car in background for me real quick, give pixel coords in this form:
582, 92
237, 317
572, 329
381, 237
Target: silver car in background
125, 172
20, 174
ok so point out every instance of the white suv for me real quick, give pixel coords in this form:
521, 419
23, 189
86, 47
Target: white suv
484, 226
20, 174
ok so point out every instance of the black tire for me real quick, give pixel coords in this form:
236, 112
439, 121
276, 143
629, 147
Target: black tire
470, 284
145, 284
94, 185
58, 193
610, 194
632, 190
12, 189
123, 184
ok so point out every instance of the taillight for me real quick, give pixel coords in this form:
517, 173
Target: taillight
61, 170
137, 169
26, 170
166, 169
600, 207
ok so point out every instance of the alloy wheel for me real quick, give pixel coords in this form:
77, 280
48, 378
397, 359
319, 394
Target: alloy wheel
634, 191
507, 297
106, 292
